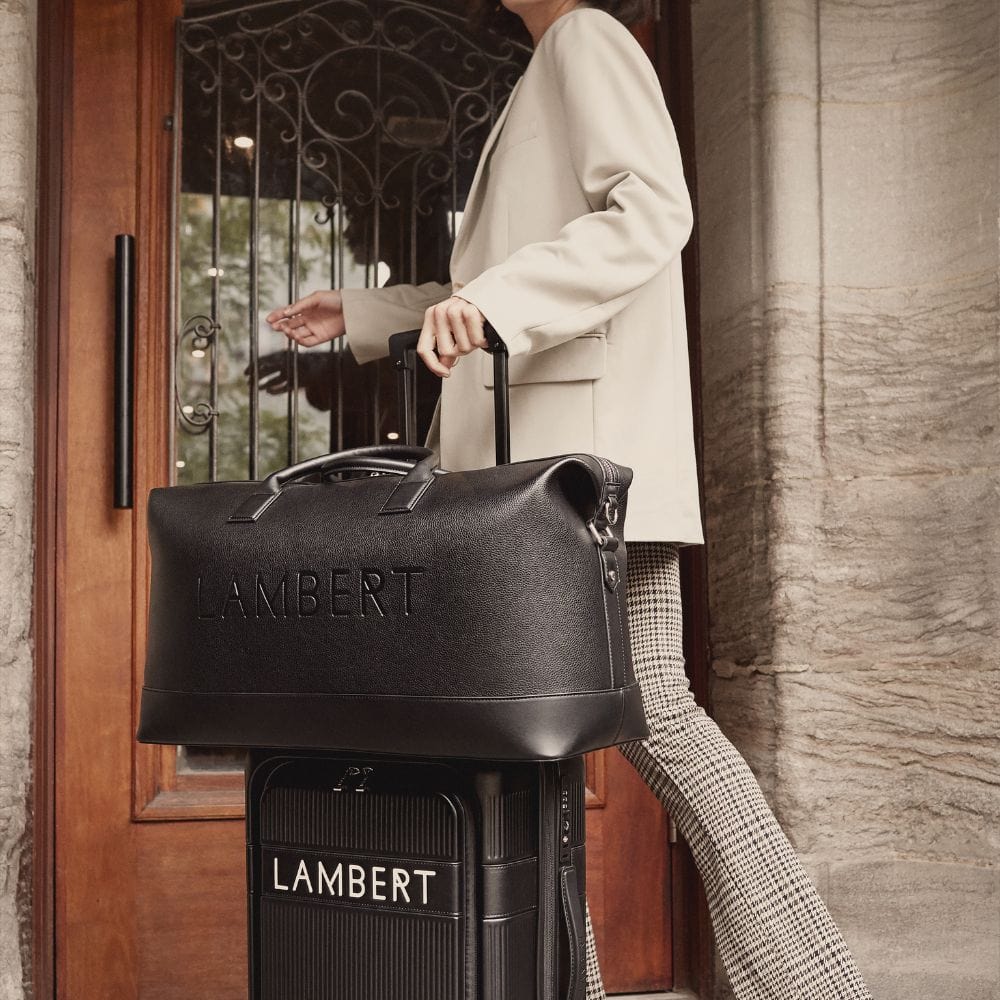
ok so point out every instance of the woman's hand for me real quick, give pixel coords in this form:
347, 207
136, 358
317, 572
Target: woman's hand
451, 329
312, 320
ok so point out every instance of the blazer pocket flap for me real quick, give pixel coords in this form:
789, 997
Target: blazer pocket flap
583, 358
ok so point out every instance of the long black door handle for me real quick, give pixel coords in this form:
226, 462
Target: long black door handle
124, 368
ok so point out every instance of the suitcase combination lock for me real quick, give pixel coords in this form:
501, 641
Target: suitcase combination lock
565, 827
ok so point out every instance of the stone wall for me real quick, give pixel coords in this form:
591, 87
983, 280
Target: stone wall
848, 161
17, 293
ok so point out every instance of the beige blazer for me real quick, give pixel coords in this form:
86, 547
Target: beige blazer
570, 246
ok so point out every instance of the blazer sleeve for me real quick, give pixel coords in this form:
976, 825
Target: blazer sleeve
625, 155
372, 315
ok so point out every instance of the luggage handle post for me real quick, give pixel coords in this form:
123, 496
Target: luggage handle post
403, 351
501, 394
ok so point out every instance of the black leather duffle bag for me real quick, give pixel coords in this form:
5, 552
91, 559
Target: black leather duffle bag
368, 600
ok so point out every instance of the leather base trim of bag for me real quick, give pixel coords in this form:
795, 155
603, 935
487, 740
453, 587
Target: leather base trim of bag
414, 611
511, 729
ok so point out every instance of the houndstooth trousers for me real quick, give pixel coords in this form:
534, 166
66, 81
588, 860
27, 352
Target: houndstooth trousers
776, 938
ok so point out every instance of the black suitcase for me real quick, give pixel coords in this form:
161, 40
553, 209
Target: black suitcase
390, 879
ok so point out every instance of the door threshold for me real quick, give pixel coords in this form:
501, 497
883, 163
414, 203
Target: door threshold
683, 995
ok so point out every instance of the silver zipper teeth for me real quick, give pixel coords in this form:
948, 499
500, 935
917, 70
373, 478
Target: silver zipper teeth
609, 470
610, 475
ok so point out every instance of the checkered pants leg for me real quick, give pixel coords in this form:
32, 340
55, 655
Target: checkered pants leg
773, 932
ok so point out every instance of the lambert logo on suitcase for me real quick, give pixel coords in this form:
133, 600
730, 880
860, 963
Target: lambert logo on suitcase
354, 880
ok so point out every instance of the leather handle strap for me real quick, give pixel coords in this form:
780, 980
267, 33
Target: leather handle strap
418, 468
393, 452
412, 487
573, 918
381, 466
415, 465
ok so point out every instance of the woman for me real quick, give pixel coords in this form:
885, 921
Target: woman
570, 246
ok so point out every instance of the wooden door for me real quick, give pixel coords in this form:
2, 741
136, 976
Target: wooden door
149, 845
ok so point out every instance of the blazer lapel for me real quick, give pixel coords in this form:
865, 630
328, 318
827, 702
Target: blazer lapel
472, 200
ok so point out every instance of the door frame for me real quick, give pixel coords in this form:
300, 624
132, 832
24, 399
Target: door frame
694, 944
53, 80
671, 36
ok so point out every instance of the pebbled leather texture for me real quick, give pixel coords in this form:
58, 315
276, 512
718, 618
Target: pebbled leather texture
470, 615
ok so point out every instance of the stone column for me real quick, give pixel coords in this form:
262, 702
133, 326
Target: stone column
848, 159
17, 305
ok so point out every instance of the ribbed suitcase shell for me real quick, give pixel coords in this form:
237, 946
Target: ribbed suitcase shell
380, 879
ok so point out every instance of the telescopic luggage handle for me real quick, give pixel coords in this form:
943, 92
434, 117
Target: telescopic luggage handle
403, 351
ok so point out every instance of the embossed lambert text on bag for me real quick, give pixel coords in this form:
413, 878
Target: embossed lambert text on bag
340, 592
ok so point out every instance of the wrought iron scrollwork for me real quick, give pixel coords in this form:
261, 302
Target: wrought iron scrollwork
363, 121
199, 338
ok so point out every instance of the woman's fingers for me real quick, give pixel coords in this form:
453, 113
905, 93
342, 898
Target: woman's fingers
458, 326
478, 329
274, 315
300, 333
306, 302
283, 313
474, 320
311, 320
425, 346
293, 323
451, 330
444, 339
307, 339
288, 317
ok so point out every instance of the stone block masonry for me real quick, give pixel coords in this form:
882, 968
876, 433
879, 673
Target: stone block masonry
17, 335
848, 160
